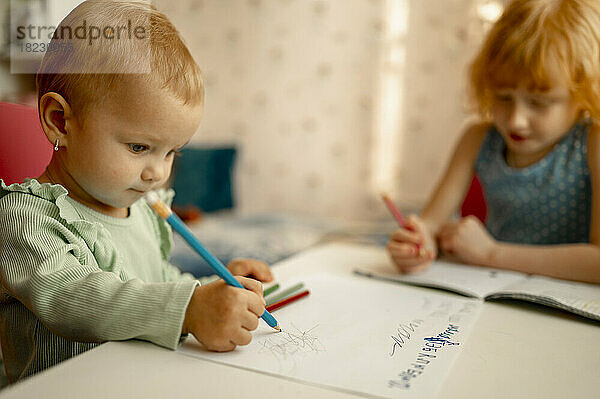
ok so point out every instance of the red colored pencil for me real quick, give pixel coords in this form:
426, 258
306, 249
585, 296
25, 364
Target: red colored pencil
395, 212
400, 219
287, 300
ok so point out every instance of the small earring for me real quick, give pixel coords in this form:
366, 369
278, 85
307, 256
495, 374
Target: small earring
56, 145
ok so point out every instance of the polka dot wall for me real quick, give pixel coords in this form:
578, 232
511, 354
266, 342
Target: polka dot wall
293, 83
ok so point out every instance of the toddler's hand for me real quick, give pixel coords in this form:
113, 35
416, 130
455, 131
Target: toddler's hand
468, 240
251, 267
221, 316
404, 245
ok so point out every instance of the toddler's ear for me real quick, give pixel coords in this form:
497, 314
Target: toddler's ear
54, 112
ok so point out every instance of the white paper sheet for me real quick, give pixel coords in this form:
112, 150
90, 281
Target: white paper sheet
576, 297
359, 335
474, 281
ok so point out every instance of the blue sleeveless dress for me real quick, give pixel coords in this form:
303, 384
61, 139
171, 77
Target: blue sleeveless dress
549, 202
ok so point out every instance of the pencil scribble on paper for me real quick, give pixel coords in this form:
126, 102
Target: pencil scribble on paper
291, 342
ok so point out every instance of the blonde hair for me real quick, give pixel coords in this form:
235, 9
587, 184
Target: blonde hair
533, 36
85, 69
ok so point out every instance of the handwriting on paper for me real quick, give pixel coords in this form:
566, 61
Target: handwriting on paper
403, 334
428, 353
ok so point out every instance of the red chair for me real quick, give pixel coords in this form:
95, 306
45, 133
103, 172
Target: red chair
24, 148
474, 203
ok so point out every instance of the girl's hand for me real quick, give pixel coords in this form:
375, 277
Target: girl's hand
251, 267
221, 316
468, 240
404, 245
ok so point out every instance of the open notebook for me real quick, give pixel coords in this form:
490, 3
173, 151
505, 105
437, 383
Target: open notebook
485, 283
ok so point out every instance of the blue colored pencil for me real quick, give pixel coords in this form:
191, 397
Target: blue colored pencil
166, 213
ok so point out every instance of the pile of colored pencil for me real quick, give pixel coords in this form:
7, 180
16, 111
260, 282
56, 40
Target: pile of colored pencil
277, 300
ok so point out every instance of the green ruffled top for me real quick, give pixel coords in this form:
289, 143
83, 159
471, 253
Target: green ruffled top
72, 278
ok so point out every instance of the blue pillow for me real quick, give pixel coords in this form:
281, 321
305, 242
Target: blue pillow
203, 178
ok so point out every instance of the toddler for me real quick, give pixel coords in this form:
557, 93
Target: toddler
83, 258
536, 151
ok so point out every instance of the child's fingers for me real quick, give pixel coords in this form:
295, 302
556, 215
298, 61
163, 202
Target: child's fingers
250, 321
405, 255
255, 301
406, 261
237, 267
222, 347
251, 267
257, 306
260, 270
410, 266
402, 250
414, 222
405, 235
251, 284
242, 337
240, 267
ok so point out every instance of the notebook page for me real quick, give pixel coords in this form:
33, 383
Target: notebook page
472, 281
576, 297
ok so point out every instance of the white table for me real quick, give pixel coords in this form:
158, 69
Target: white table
515, 349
